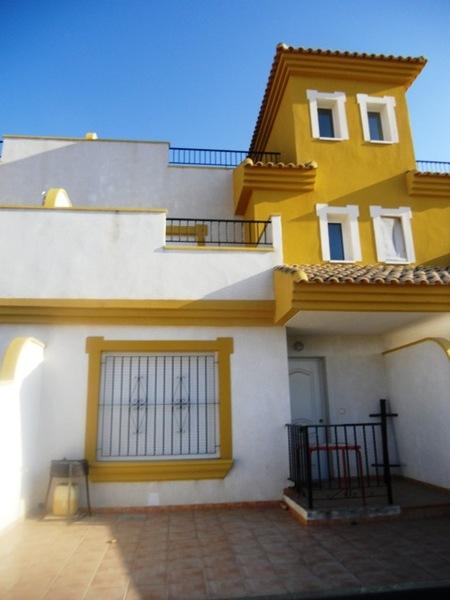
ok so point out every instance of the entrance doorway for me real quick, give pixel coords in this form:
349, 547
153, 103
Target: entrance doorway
307, 391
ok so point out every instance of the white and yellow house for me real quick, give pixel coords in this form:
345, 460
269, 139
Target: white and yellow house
166, 318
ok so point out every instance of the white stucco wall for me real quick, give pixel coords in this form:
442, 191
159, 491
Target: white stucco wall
260, 409
66, 253
112, 173
419, 389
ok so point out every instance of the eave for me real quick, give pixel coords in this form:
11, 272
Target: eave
421, 183
289, 61
292, 294
249, 177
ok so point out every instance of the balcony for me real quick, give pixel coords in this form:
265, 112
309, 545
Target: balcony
212, 157
230, 233
430, 178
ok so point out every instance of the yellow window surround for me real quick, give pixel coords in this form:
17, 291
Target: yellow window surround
159, 470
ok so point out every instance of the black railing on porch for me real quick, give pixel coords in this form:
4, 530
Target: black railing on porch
219, 232
348, 460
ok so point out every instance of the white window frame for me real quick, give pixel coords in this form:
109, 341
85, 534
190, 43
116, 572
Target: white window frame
405, 215
336, 102
348, 217
385, 105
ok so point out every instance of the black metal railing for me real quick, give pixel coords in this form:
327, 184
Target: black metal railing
210, 157
219, 232
433, 166
342, 461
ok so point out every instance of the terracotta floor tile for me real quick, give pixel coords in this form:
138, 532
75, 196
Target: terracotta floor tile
186, 591
111, 593
264, 587
65, 593
151, 592
227, 588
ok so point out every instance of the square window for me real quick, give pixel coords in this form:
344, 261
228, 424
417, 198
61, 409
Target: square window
375, 127
339, 232
378, 120
327, 114
155, 406
336, 241
326, 127
393, 234
393, 239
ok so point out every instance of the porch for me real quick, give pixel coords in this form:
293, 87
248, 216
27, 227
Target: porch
221, 553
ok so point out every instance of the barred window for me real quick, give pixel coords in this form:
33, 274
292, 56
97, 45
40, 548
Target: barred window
159, 410
155, 406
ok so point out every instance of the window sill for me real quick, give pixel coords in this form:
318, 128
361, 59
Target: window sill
342, 261
385, 142
173, 470
332, 139
397, 262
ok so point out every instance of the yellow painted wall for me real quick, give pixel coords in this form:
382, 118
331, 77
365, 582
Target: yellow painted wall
349, 172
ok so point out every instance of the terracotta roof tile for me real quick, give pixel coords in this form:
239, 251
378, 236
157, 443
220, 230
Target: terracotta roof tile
248, 162
368, 274
434, 173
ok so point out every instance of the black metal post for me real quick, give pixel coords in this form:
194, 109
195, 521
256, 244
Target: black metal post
309, 485
384, 440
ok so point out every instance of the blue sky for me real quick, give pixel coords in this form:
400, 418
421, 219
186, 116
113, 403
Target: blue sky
194, 72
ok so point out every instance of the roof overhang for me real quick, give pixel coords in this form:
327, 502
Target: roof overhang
293, 293
288, 179
289, 61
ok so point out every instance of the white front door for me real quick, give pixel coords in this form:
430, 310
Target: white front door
307, 391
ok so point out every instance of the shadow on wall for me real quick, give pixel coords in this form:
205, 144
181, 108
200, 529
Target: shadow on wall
20, 397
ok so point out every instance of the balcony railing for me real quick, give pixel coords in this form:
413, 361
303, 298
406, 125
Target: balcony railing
219, 232
217, 158
433, 166
341, 462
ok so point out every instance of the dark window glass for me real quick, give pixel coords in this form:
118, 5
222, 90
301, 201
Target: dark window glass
336, 241
375, 127
326, 128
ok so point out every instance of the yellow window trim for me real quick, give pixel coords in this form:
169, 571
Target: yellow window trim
161, 470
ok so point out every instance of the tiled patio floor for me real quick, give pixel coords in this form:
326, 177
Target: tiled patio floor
214, 554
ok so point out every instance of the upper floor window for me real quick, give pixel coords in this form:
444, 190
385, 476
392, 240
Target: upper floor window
378, 118
393, 235
339, 233
327, 113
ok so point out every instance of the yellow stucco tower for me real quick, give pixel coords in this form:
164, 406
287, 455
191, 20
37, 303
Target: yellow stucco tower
345, 180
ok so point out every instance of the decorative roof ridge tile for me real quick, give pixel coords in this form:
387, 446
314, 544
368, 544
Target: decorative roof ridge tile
403, 275
427, 173
248, 162
349, 54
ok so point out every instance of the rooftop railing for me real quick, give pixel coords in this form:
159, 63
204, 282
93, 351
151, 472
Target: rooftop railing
219, 232
433, 166
210, 157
